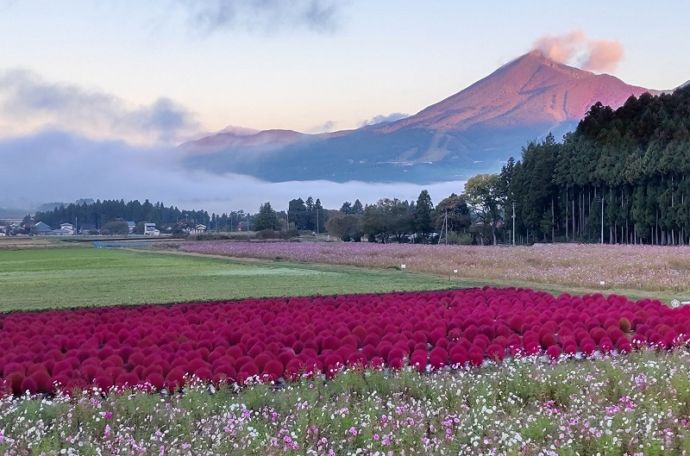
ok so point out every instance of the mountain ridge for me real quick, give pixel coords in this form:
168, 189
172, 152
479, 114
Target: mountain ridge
475, 129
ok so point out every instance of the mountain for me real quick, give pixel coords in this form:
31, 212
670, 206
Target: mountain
474, 130
236, 137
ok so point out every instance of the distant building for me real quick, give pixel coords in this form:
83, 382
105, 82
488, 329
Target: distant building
67, 229
151, 230
198, 229
41, 229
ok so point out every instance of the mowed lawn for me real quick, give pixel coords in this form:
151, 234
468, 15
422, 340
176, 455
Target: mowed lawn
78, 277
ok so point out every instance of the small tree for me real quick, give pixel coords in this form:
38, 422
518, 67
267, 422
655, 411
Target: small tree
357, 208
423, 212
266, 219
459, 218
345, 226
483, 193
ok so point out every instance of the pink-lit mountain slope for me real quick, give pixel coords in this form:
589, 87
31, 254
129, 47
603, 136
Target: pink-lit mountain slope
475, 130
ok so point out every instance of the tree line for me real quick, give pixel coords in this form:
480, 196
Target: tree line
109, 215
623, 176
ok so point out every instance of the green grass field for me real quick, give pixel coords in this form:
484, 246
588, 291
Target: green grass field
77, 277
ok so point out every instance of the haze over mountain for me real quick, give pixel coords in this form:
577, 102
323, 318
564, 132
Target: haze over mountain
472, 131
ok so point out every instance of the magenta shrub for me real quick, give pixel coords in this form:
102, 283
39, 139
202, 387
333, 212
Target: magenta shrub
286, 338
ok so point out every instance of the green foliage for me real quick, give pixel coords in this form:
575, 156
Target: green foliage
345, 226
388, 218
483, 192
459, 217
423, 215
636, 159
115, 227
355, 208
266, 219
99, 213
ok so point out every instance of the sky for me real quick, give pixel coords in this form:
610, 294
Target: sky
315, 65
152, 74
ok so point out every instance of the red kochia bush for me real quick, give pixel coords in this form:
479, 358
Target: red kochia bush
285, 338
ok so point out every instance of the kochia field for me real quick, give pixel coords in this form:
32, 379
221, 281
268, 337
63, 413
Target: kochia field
282, 339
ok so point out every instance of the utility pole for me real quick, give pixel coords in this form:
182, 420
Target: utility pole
602, 219
317, 221
513, 223
444, 229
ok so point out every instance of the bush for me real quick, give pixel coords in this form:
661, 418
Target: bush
460, 238
225, 236
266, 234
289, 234
345, 227
117, 227
272, 234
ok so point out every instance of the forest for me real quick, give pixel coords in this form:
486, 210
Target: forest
623, 176
96, 214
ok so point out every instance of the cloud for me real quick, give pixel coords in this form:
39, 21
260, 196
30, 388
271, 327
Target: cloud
380, 119
326, 127
210, 16
58, 166
603, 56
29, 103
576, 49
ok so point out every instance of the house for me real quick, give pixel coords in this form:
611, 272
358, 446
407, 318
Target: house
151, 230
131, 226
198, 229
41, 229
67, 229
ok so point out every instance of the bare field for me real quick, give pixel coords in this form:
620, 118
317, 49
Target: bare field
646, 268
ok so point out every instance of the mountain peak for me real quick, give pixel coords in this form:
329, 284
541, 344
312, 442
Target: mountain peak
535, 54
532, 89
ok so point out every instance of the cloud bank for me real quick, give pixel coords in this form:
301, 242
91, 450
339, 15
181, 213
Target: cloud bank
29, 103
577, 49
210, 16
57, 166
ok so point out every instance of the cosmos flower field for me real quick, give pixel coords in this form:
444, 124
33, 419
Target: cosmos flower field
630, 267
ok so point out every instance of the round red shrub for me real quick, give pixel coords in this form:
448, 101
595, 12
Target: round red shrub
554, 351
